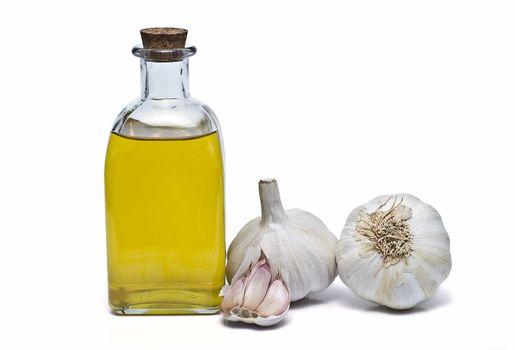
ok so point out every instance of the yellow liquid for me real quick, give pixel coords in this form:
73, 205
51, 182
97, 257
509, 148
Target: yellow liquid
165, 225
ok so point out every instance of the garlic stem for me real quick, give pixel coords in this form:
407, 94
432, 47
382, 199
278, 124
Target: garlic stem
272, 210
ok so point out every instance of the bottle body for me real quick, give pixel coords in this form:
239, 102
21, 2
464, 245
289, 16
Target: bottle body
164, 187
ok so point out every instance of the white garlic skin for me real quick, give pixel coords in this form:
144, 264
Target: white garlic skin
409, 281
296, 243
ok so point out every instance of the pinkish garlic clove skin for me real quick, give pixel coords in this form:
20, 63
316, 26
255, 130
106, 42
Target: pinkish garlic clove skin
234, 296
257, 285
277, 300
256, 297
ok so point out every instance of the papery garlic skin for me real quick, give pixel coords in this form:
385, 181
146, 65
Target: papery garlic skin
296, 243
417, 259
256, 296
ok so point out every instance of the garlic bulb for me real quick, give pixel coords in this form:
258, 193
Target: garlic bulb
394, 251
297, 245
256, 296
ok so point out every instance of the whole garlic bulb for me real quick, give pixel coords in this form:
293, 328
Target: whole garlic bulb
256, 296
394, 251
298, 246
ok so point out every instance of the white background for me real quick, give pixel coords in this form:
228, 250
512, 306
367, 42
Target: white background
340, 101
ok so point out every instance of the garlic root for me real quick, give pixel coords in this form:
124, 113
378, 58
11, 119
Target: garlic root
394, 251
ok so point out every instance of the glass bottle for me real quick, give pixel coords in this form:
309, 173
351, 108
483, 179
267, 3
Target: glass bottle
164, 190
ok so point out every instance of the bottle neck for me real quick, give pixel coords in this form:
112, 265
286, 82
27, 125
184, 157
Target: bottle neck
164, 80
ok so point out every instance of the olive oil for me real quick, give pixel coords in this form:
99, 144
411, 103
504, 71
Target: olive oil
165, 224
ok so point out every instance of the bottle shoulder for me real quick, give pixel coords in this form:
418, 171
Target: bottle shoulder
166, 118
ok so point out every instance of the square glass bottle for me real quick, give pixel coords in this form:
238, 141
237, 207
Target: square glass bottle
164, 190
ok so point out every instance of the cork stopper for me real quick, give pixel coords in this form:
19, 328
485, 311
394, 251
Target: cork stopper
163, 38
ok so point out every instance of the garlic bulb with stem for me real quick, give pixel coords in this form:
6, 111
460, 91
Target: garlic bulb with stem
394, 251
256, 296
297, 245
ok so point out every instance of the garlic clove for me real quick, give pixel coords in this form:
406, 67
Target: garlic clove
234, 295
276, 301
257, 286
255, 297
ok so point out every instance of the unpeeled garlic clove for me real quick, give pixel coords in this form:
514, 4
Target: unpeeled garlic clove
234, 294
257, 285
256, 296
277, 298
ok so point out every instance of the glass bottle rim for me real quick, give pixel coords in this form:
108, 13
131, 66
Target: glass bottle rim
163, 55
